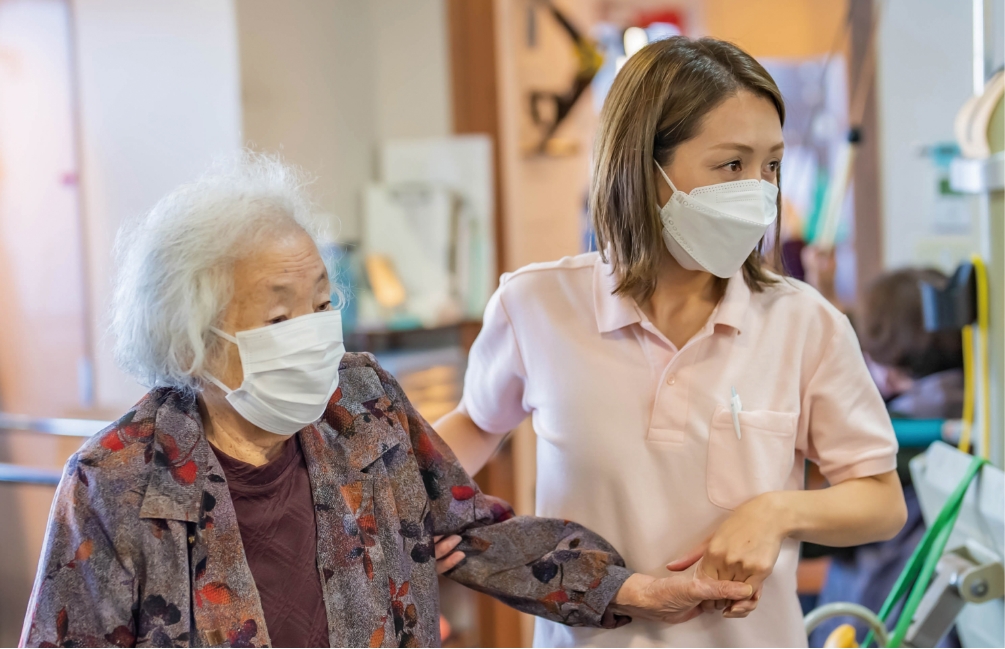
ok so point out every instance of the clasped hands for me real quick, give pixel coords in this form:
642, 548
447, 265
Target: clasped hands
744, 549
725, 573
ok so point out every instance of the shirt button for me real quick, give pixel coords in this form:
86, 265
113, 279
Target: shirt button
671, 380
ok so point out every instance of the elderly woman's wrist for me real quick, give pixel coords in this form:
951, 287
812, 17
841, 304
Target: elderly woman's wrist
632, 596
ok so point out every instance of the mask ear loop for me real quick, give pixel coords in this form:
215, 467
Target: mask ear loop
212, 379
223, 334
665, 176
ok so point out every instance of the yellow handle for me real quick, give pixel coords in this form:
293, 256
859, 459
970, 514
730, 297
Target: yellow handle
982, 331
843, 636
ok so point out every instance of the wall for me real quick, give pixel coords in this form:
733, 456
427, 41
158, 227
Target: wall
158, 101
777, 29
42, 326
543, 196
324, 82
924, 75
42, 323
412, 68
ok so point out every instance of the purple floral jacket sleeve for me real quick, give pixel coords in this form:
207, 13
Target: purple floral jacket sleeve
143, 546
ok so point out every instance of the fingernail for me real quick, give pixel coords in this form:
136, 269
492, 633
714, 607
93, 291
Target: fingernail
750, 590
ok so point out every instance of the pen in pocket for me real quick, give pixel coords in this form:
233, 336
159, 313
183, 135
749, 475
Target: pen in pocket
734, 407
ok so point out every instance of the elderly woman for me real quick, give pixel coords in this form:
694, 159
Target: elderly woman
271, 489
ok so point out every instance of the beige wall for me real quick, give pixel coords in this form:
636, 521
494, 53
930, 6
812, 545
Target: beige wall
543, 196
42, 322
324, 82
157, 100
774, 28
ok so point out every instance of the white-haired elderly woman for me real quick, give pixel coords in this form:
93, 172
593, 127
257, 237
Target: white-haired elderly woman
271, 489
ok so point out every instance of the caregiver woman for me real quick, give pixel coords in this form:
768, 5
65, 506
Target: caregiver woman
627, 360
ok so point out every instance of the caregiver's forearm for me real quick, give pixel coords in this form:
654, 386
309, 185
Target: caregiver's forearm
862, 510
473, 446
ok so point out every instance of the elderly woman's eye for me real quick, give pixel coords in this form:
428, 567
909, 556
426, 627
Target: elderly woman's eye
279, 319
325, 306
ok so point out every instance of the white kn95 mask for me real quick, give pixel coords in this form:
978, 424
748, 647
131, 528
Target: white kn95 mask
716, 227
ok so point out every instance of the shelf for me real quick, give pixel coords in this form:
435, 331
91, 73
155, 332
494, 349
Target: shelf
978, 176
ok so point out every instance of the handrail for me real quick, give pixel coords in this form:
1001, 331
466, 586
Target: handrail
12, 473
51, 426
15, 474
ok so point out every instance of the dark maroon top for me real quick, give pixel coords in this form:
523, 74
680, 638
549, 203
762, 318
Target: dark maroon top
275, 512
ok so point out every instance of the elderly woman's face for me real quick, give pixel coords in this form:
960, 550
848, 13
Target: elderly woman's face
283, 278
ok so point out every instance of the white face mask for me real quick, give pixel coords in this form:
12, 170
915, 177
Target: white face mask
290, 371
715, 228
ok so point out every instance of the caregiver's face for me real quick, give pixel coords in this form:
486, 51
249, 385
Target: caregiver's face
283, 278
740, 139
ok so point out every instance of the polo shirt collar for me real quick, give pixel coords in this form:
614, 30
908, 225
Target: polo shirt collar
613, 311
616, 311
733, 307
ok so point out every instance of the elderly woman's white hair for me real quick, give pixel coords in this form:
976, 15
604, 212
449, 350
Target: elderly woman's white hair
175, 264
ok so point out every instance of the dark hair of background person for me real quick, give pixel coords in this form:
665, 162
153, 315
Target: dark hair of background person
891, 325
658, 101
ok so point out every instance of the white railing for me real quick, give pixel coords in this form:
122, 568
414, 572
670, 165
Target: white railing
16, 474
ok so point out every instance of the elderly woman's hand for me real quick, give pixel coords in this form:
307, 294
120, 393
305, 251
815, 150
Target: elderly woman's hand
446, 558
673, 599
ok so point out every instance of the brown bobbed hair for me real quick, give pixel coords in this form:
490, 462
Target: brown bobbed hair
891, 325
658, 101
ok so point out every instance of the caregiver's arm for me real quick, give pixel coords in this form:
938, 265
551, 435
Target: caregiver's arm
854, 512
858, 511
746, 545
473, 446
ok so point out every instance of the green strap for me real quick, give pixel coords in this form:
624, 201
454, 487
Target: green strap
927, 570
921, 566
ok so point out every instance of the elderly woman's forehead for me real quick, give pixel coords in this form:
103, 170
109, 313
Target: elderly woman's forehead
288, 255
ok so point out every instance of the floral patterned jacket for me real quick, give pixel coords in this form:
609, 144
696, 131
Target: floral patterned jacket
143, 546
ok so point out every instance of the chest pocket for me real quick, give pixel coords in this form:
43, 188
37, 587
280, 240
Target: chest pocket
759, 462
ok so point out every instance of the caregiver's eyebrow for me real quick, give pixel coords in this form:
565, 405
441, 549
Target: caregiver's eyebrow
736, 146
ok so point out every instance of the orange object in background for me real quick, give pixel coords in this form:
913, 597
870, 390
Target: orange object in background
384, 281
445, 629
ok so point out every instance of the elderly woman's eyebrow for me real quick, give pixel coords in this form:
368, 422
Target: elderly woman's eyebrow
288, 287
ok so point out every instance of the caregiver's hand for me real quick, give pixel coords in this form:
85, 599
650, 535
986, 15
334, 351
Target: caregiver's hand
673, 599
744, 548
446, 558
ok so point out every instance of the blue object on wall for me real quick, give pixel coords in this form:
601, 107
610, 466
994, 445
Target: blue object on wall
918, 433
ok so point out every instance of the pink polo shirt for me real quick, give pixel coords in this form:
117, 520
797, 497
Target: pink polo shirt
635, 437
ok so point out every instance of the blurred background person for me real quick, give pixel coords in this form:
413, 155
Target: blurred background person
920, 375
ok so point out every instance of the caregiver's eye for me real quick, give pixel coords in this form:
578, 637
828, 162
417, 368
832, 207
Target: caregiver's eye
734, 165
774, 165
